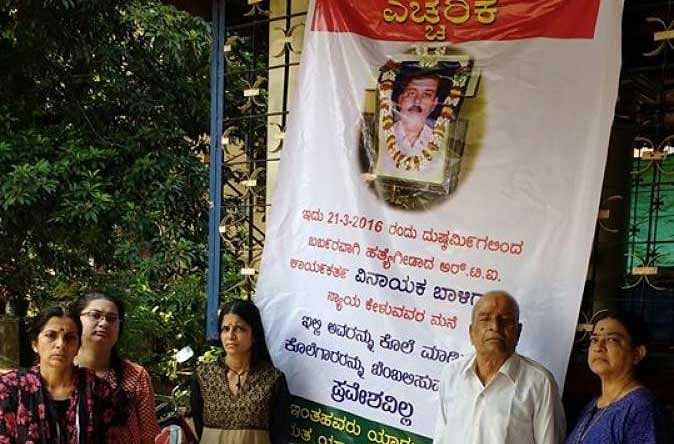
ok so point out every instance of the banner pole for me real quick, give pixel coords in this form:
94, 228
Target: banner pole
215, 200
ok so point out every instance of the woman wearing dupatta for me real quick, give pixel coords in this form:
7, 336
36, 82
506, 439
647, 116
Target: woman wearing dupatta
242, 398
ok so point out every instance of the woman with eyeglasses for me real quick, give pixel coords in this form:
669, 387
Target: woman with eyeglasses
55, 402
625, 412
102, 318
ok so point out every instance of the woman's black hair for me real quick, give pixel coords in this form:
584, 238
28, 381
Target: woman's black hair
119, 396
55, 311
249, 312
635, 325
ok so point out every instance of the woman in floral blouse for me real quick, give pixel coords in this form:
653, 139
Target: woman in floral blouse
54, 402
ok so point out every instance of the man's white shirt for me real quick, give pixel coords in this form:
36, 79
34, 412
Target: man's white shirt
432, 171
520, 405
412, 147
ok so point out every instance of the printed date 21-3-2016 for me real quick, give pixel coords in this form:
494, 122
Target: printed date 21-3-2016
362, 222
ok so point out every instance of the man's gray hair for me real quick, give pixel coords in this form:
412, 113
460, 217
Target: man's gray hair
508, 296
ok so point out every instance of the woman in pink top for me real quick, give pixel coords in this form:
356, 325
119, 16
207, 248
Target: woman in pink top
102, 319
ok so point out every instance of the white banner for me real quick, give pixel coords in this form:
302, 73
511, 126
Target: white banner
431, 157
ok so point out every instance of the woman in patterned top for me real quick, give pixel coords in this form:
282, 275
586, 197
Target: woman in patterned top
102, 318
241, 398
54, 402
625, 412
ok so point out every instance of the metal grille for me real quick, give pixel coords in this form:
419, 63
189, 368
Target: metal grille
632, 262
262, 50
632, 265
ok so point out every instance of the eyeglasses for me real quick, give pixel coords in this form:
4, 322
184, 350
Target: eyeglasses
98, 315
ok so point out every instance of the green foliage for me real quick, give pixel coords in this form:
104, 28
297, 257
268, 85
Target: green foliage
211, 355
103, 114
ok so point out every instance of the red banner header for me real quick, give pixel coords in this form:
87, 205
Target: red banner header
458, 20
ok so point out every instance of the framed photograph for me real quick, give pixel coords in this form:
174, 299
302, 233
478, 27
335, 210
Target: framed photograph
419, 136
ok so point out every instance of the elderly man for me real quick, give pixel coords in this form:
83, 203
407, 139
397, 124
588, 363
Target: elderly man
496, 396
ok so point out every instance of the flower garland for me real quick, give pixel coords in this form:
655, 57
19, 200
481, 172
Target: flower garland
447, 114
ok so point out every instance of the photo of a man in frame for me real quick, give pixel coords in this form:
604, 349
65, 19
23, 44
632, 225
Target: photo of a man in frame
418, 152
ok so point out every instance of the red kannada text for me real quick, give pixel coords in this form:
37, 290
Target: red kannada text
442, 320
396, 311
446, 239
385, 308
343, 219
342, 301
336, 271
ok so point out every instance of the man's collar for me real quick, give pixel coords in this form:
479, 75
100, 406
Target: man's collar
510, 368
425, 133
469, 369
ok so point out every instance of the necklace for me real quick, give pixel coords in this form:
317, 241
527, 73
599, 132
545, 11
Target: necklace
238, 377
594, 418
